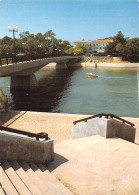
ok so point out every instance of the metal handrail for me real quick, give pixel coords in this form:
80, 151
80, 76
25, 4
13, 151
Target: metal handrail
85, 119
29, 134
106, 115
121, 119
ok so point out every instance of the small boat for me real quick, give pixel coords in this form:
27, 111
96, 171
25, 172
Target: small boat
91, 75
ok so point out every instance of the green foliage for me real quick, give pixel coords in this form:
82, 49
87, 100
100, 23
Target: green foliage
119, 38
79, 49
126, 48
40, 43
69, 51
132, 49
110, 49
119, 48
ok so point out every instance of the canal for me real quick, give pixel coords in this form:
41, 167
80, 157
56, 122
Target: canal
70, 91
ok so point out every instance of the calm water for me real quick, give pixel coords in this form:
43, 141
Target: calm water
70, 91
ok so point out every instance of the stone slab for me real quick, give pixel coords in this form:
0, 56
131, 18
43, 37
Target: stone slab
118, 129
14, 147
105, 127
89, 128
98, 166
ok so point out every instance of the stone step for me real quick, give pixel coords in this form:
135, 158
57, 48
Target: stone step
25, 178
52, 178
54, 188
6, 183
28, 178
15, 179
34, 177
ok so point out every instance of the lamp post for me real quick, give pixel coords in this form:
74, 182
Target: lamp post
13, 29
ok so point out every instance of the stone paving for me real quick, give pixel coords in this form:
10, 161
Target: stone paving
58, 126
97, 166
86, 166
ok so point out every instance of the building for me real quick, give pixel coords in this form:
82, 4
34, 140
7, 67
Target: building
94, 46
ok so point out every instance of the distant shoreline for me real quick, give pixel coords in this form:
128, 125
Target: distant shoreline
113, 65
100, 64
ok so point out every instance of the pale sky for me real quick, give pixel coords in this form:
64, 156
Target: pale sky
71, 20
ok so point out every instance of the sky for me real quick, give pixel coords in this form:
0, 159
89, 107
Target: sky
71, 20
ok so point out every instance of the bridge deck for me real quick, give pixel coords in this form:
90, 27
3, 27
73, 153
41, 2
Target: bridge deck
29, 67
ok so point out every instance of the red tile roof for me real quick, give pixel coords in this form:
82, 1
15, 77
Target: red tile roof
95, 41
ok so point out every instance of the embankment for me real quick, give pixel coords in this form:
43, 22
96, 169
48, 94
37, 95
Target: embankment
99, 64
106, 64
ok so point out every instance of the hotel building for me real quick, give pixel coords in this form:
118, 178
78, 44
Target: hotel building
94, 46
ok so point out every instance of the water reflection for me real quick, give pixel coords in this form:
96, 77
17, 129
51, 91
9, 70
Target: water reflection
70, 91
52, 86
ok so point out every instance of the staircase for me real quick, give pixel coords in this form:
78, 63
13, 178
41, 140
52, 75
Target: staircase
29, 178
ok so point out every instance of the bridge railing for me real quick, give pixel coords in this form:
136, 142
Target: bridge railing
6, 60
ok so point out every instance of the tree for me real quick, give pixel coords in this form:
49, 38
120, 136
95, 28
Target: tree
31, 46
69, 51
110, 49
6, 45
49, 34
132, 49
116, 48
40, 43
119, 38
79, 49
24, 35
119, 48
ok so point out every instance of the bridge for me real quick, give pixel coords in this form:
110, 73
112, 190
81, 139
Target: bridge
22, 73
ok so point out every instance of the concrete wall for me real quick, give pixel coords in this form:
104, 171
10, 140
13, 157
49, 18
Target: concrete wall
105, 127
61, 65
121, 130
24, 82
89, 128
26, 149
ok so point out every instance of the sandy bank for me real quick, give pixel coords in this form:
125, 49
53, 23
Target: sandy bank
58, 126
105, 64
100, 64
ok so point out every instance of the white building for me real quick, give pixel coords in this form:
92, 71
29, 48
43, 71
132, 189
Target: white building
94, 46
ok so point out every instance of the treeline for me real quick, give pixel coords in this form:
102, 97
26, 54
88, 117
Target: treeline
31, 44
123, 47
48, 44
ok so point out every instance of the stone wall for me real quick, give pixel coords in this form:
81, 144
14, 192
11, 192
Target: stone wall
23, 148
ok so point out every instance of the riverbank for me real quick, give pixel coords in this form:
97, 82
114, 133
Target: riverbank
99, 65
57, 125
106, 64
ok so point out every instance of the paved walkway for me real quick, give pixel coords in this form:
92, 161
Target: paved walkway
86, 166
58, 126
97, 166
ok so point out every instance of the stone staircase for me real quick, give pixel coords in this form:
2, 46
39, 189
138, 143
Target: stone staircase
29, 178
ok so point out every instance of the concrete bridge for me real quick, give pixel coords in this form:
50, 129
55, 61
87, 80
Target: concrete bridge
22, 73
